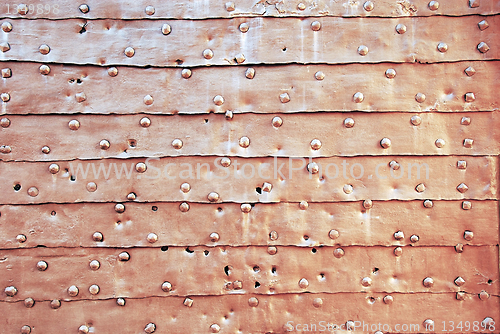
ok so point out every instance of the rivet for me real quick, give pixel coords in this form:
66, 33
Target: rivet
250, 73
301, 6
459, 248
334, 234
73, 291
120, 301
129, 51
238, 285
166, 29
97, 236
398, 251
150, 10
319, 75
148, 100
10, 291
459, 281
338, 253
6, 72
83, 329
5, 122
208, 54
420, 188
185, 187
399, 235
428, 203
416, 120
152, 238
188, 302
54, 168
74, 124
124, 256
388, 299
29, 302
385, 143
44, 49
483, 47
440, 143
84, 8
367, 204
230, 6
186, 73
358, 97
21, 238
184, 207
141, 167
214, 328
461, 164
366, 281
316, 25
313, 168
469, 97
150, 328
55, 304
428, 282
468, 143
5, 149
94, 289
442, 47
104, 144
483, 25
246, 208
225, 162
272, 250
470, 71
433, 5
131, 196
466, 205
213, 197
317, 302
420, 97
368, 6
400, 28
166, 286
465, 121
44, 69
363, 50
91, 187
218, 100
489, 323
473, 3
240, 58
284, 98
229, 115
468, 235
462, 187
414, 238
22, 9
214, 237
348, 122
244, 27
42, 265
145, 122
4, 46
33, 191
390, 73
94, 265
315, 144
267, 187
7, 26
303, 283
347, 188
45, 150
460, 295
5, 97
244, 142
303, 205
253, 302
277, 122
177, 144
483, 295
119, 207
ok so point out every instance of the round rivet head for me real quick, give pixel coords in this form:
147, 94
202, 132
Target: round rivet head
433, 5
358, 97
166, 286
145, 122
148, 100
44, 49
428, 324
388, 299
141, 167
439, 143
468, 235
166, 29
420, 97
368, 6
150, 10
240, 58
129, 51
334, 234
152, 238
214, 328
225, 162
317, 302
7, 26
104, 144
338, 253
303, 283
230, 7
94, 265
55, 304
416, 120
214, 237
244, 142
21, 238
218, 100
459, 281
420, 188
250, 73
246, 208
94, 289
42, 265
349, 122
213, 197
33, 191
6, 72
400, 28
22, 9
442, 47
385, 143
10, 291
316, 25
83, 329
428, 203
54, 168
366, 281
315, 144
120, 301
284, 98
348, 189
185, 187
97, 236
150, 328
5, 122
459, 248
483, 25
119, 207
428, 282
303, 205
399, 235
272, 250
74, 124
5, 97
84, 8
208, 54
363, 50
253, 302
273, 235
4, 46
398, 251
244, 27
414, 238
469, 97
277, 122
483, 47
186, 73
177, 144
483, 295
29, 302
390, 73
73, 291
367, 204
313, 167
124, 256
131, 196
319, 75
44, 69
184, 207
488, 323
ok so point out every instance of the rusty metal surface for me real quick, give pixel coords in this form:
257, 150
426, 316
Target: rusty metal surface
193, 271
370, 178
215, 135
233, 313
444, 85
215, 9
72, 225
268, 40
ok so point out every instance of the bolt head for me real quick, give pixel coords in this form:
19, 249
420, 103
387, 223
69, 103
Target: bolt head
459, 281
148, 100
83, 329
483, 295
240, 58
84, 8
473, 3
29, 302
317, 302
394, 165
465, 121
470, 71
145, 122
230, 6
468, 235
225, 162
461, 164
469, 97
150, 328
313, 168
10, 291
188, 302
468, 143
6, 73
4, 47
483, 25
33, 191
367, 204
459, 248
21, 238
250, 73
213, 197
334, 234
483, 47
284, 98
399, 235
460, 295
416, 120
303, 205
462, 187
55, 304
132, 197
5, 122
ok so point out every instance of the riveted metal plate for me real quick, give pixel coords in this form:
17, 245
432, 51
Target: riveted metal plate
442, 225
444, 85
268, 41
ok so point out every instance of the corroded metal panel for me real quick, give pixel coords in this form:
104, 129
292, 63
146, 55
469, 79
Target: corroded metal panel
443, 224
69, 89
